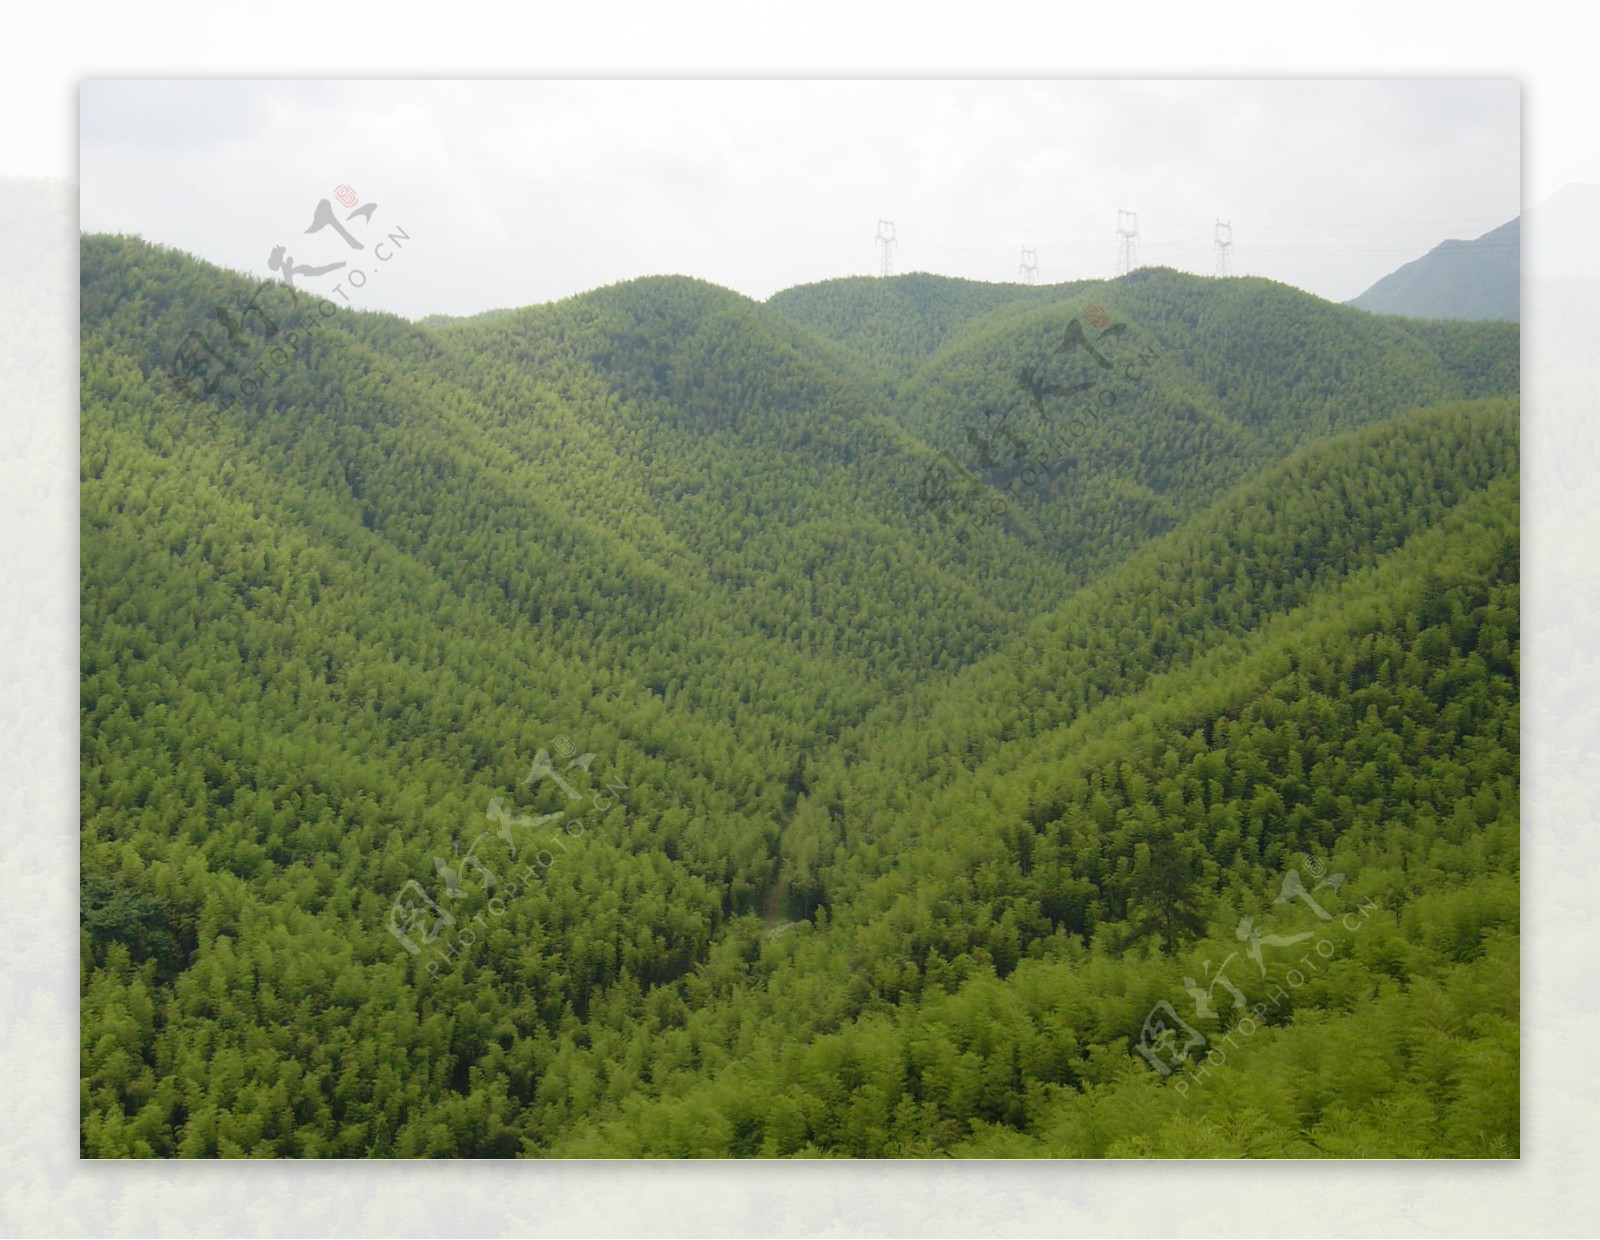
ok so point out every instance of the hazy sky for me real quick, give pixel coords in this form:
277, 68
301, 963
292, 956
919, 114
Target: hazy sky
520, 192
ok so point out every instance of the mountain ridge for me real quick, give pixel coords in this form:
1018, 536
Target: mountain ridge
1477, 279
901, 805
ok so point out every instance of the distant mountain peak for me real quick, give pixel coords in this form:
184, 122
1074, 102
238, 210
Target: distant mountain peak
1478, 279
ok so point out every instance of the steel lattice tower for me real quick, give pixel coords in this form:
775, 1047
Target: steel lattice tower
886, 243
1128, 237
1029, 271
1223, 237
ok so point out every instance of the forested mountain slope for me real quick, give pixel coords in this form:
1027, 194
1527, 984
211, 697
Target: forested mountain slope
1027, 917
1187, 386
369, 615
899, 323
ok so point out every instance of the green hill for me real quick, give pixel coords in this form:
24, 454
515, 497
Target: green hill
1208, 382
1001, 934
899, 323
929, 718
